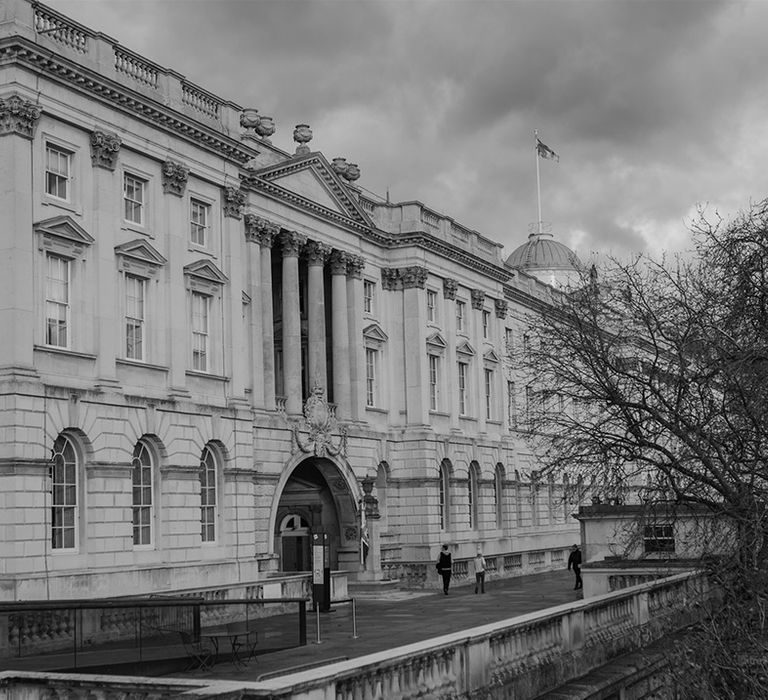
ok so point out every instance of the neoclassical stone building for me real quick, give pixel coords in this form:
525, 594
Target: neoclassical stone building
213, 348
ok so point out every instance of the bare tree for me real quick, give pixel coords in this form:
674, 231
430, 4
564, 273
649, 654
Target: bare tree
651, 382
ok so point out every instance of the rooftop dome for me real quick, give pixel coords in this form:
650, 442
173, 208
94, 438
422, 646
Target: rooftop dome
542, 252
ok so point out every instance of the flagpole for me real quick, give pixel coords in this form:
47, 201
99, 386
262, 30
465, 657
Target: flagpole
538, 177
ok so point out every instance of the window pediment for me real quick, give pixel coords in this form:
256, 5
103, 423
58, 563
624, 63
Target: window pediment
139, 257
491, 356
465, 349
63, 236
436, 344
203, 276
374, 336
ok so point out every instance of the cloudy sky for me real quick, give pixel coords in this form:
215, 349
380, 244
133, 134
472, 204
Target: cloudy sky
654, 106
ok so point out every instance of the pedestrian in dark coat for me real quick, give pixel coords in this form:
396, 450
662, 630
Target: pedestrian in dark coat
444, 567
574, 560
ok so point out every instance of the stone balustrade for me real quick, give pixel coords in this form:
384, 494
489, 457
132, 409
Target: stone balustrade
521, 657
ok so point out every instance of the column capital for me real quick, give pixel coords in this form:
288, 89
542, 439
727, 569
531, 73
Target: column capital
234, 200
478, 298
18, 116
355, 266
339, 260
260, 230
292, 242
104, 149
414, 276
317, 253
450, 287
502, 307
391, 279
175, 176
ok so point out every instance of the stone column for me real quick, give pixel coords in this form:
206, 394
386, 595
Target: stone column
317, 253
355, 266
291, 242
267, 233
451, 378
340, 334
478, 371
253, 285
416, 367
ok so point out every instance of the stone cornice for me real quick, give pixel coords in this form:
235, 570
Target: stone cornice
56, 67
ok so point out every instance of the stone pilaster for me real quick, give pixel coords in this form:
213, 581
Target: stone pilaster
291, 243
451, 371
414, 279
340, 334
317, 254
355, 267
267, 233
253, 288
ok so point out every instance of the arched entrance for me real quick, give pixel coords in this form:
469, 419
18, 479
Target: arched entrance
316, 498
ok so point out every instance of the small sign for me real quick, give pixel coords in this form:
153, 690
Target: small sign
317, 564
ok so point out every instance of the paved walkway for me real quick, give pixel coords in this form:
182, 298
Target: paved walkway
393, 618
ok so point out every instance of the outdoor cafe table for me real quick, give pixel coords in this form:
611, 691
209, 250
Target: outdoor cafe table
240, 635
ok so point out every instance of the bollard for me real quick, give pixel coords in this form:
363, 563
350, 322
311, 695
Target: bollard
318, 626
354, 621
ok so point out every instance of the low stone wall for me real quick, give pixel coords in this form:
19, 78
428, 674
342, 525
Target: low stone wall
519, 658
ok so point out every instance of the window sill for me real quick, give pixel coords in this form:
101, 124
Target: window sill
442, 414
49, 201
136, 228
206, 375
203, 250
64, 351
140, 363
376, 409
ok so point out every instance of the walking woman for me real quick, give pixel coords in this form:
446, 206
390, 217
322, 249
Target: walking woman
444, 567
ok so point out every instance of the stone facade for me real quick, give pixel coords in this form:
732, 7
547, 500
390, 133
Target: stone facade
210, 343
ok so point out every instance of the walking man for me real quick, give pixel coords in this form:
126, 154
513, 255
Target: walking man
575, 560
444, 567
480, 571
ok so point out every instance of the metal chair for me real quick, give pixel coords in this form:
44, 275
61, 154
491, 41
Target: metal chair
200, 656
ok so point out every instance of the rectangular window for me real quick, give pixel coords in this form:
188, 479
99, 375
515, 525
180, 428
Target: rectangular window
488, 394
370, 376
658, 538
463, 388
134, 317
57, 301
431, 305
486, 324
434, 382
199, 221
511, 404
199, 332
369, 289
460, 315
508, 340
58, 175
134, 199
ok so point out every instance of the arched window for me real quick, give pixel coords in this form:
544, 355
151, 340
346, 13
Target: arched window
141, 476
444, 496
64, 512
472, 494
208, 497
498, 495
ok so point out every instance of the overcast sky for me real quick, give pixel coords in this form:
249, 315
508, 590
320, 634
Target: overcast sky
654, 106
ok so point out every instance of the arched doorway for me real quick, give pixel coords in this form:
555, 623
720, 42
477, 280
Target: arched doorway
316, 498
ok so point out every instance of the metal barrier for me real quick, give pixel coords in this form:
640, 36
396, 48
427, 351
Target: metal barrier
354, 619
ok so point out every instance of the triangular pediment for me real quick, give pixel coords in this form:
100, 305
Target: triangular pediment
64, 227
465, 349
140, 250
490, 356
205, 269
310, 181
375, 334
437, 341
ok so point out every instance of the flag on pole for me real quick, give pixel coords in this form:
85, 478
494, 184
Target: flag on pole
545, 151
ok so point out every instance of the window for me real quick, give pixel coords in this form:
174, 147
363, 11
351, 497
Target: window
134, 317
463, 406
199, 332
134, 199
508, 341
472, 495
434, 382
488, 376
57, 301
431, 305
511, 404
370, 376
444, 496
58, 172
369, 290
498, 492
199, 222
486, 324
460, 315
64, 495
658, 538
141, 475
208, 504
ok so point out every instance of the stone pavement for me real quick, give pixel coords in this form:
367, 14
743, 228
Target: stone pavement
391, 618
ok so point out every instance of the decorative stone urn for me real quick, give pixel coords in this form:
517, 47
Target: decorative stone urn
339, 166
352, 172
265, 128
249, 118
302, 135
